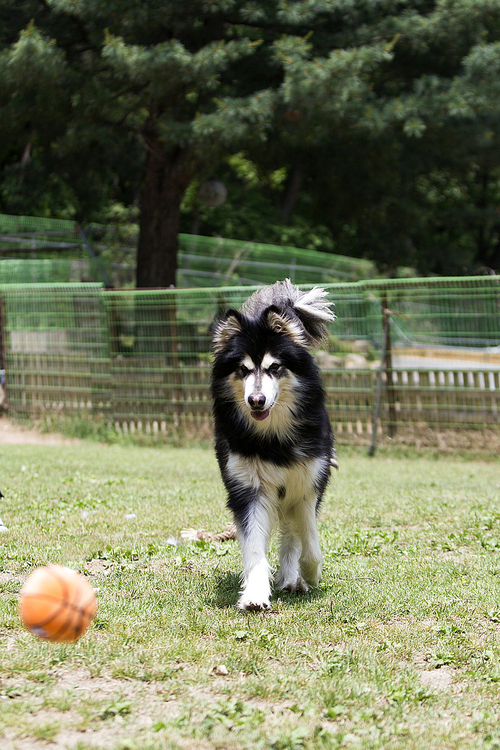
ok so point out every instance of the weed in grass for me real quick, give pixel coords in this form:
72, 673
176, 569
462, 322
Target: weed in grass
117, 708
46, 731
61, 702
293, 740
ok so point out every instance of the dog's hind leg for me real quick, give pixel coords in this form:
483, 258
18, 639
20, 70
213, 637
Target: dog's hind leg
254, 536
288, 576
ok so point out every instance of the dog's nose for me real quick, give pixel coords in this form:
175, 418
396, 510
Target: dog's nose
257, 400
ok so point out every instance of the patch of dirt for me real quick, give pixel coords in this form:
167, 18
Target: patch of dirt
99, 567
144, 704
11, 434
438, 679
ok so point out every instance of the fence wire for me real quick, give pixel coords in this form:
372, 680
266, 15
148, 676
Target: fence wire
141, 359
38, 250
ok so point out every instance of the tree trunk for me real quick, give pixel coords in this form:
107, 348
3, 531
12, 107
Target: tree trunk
166, 178
292, 192
482, 207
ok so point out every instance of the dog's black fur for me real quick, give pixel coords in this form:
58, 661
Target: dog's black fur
275, 463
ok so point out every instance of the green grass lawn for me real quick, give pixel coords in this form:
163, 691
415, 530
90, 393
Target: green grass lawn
398, 648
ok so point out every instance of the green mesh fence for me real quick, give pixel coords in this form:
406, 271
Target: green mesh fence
45, 271
55, 348
212, 261
442, 365
10, 224
64, 254
140, 359
34, 250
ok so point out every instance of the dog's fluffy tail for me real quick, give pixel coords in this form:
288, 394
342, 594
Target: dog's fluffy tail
313, 303
311, 307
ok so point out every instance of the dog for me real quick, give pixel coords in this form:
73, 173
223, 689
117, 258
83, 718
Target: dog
273, 438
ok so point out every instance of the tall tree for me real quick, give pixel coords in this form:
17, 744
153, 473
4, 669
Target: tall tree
175, 75
86, 85
387, 130
190, 80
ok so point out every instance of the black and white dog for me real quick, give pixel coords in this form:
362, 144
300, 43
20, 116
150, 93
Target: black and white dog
273, 438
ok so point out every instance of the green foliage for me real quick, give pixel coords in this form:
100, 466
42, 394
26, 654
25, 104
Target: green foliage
251, 210
368, 103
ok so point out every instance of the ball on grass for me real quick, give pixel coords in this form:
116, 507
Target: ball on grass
57, 603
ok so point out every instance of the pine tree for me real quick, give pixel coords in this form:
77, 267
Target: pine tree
159, 91
192, 81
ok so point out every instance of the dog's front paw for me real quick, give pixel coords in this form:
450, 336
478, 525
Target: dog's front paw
256, 590
249, 603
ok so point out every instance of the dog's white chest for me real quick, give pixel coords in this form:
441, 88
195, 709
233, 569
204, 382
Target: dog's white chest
289, 483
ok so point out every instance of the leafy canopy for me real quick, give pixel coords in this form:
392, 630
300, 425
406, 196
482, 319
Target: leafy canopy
377, 101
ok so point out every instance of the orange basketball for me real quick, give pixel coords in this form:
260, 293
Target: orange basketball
57, 603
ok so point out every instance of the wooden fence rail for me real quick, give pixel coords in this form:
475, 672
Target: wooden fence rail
139, 359
148, 390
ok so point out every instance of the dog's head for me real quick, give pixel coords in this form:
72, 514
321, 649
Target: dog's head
262, 360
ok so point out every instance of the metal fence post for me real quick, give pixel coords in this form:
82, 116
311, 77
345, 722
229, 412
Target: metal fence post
1, 334
3, 350
391, 401
385, 325
385, 366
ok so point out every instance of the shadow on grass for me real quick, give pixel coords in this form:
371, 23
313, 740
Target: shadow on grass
226, 591
298, 600
228, 586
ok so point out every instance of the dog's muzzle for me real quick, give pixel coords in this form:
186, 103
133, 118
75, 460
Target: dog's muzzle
257, 402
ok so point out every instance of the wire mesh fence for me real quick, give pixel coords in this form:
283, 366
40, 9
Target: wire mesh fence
214, 261
140, 360
39, 250
55, 347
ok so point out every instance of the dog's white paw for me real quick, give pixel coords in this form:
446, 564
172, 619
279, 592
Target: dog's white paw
311, 572
250, 603
256, 588
292, 584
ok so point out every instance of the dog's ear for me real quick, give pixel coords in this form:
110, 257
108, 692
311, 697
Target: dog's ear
280, 322
225, 328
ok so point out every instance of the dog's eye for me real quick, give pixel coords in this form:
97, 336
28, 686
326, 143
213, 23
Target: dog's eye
244, 371
274, 368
